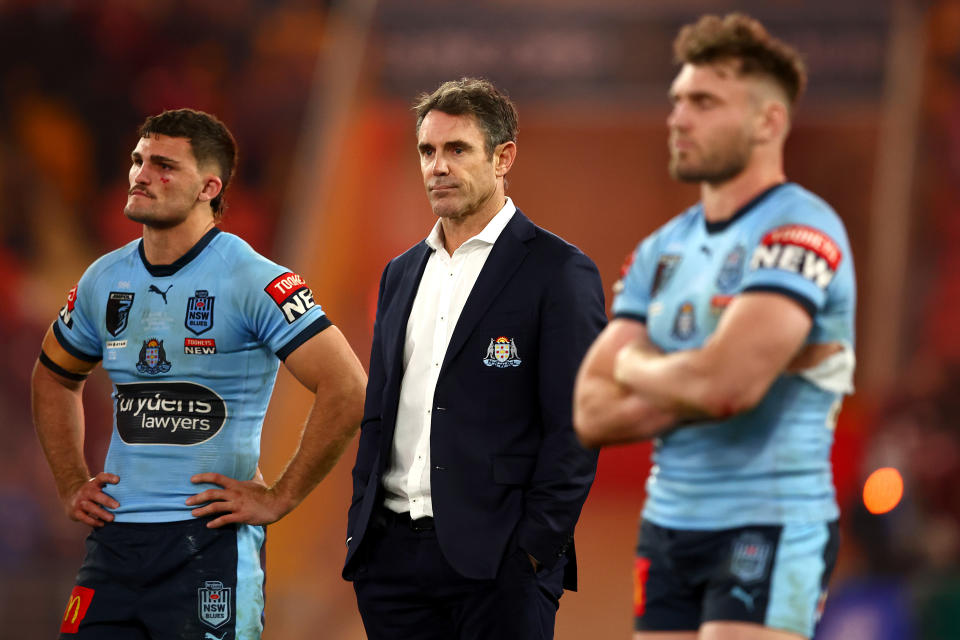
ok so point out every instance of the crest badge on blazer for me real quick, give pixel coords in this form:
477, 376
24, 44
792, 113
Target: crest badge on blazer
502, 353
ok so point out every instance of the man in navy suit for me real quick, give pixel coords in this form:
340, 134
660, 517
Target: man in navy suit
469, 478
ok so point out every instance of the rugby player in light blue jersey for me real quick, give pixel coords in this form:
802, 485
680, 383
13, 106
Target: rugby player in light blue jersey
731, 347
191, 325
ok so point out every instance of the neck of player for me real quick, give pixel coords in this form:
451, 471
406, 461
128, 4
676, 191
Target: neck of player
165, 245
722, 200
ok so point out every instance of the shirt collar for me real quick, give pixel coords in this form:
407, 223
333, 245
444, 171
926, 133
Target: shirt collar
489, 234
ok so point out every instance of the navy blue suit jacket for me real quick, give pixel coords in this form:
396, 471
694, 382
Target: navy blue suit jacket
506, 466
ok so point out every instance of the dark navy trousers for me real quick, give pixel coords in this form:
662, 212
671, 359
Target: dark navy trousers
406, 590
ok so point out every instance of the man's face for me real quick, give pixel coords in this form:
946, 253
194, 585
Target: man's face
710, 124
457, 172
165, 181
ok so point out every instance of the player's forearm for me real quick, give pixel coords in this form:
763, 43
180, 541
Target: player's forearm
58, 420
329, 428
691, 384
605, 413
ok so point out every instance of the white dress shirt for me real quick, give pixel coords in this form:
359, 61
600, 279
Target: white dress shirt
446, 284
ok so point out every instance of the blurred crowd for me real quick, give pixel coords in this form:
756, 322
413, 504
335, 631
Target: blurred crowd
77, 79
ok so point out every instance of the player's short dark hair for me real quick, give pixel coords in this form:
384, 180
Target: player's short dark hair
738, 37
210, 141
478, 97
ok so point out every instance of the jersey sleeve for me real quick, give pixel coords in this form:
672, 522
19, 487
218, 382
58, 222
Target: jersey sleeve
632, 291
76, 327
284, 311
799, 256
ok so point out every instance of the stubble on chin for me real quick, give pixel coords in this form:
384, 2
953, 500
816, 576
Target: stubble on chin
149, 219
445, 208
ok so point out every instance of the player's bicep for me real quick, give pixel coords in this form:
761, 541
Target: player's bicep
61, 362
325, 363
758, 335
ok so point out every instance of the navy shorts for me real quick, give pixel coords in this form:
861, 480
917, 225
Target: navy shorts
775, 576
167, 581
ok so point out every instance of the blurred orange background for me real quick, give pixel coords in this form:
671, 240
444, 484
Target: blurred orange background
318, 97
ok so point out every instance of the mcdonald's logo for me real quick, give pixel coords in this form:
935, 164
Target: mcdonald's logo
77, 606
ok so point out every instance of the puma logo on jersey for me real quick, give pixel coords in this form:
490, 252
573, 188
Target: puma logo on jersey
162, 294
743, 596
210, 636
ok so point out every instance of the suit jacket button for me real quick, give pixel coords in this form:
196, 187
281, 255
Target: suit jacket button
438, 467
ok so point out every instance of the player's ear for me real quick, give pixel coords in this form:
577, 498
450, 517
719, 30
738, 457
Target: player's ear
774, 121
212, 186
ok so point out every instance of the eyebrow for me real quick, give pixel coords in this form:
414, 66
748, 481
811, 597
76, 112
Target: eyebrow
156, 159
692, 95
424, 146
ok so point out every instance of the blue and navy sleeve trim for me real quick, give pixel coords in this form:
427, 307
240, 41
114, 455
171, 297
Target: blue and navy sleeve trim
639, 317
69, 348
60, 371
313, 329
808, 305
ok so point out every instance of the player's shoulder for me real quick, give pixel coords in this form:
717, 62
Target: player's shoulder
673, 230
242, 260
246, 271
120, 257
793, 204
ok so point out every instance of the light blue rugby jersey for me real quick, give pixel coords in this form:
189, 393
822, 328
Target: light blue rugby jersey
770, 465
193, 350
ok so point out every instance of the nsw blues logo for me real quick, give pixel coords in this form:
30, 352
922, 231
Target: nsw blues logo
199, 312
213, 600
502, 353
153, 358
118, 311
750, 557
732, 270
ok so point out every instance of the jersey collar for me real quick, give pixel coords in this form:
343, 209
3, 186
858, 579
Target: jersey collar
716, 227
161, 270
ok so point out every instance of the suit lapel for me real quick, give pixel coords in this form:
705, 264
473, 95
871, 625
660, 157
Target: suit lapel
505, 258
395, 323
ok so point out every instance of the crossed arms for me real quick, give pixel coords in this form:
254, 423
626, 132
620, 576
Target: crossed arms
628, 390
